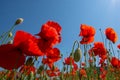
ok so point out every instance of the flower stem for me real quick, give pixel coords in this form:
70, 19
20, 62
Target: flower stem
76, 42
6, 35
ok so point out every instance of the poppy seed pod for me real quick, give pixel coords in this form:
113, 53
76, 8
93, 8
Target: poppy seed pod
19, 21
77, 54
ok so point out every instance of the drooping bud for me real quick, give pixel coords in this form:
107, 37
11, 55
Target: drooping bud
19, 21
77, 54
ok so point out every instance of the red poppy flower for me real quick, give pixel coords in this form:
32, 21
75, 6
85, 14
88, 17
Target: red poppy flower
70, 61
27, 43
101, 62
114, 61
87, 32
52, 56
111, 34
119, 64
83, 72
53, 72
48, 61
11, 57
118, 46
103, 75
75, 66
98, 49
83, 64
54, 25
50, 34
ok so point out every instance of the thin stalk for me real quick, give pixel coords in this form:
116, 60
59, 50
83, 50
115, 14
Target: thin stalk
102, 35
3, 34
6, 34
85, 52
112, 49
76, 42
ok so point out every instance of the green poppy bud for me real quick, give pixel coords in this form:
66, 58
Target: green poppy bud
10, 34
10, 42
77, 54
19, 21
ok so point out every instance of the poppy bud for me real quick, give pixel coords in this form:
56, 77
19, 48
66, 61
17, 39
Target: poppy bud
77, 54
10, 34
19, 21
10, 42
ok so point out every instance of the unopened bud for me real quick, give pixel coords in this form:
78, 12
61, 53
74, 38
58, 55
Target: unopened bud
10, 34
10, 42
77, 54
19, 21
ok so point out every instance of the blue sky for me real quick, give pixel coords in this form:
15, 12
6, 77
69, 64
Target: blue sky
68, 13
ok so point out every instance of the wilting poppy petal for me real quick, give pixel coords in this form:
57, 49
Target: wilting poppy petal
11, 57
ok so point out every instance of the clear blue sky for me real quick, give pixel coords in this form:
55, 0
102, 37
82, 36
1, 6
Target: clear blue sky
68, 13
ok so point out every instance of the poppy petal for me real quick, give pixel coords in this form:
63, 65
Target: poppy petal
11, 57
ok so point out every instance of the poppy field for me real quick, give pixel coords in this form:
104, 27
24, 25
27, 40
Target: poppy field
88, 60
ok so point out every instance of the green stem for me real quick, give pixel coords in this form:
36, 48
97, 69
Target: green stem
85, 52
102, 36
3, 34
76, 42
6, 34
112, 48
118, 54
